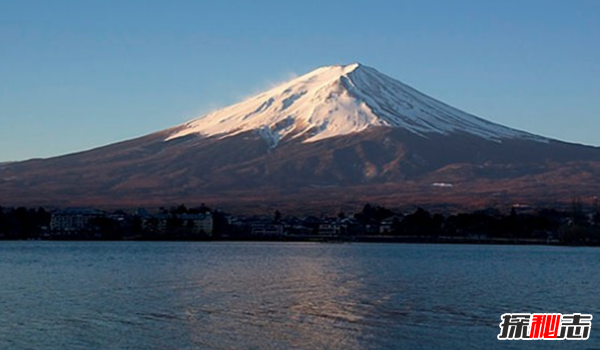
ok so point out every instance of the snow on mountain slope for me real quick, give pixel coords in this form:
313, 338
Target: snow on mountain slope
340, 100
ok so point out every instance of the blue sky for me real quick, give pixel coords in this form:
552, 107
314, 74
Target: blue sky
79, 74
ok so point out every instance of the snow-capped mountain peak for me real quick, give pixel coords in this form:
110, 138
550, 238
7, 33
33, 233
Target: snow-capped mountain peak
340, 100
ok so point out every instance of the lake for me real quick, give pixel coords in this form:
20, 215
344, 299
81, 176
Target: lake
227, 295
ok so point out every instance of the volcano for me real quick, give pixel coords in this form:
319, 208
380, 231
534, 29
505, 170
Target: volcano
336, 137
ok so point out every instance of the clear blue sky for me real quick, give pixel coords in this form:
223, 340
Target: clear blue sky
79, 74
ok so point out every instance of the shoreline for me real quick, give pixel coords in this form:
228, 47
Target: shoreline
336, 240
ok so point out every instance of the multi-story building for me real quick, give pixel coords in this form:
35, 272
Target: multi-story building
73, 220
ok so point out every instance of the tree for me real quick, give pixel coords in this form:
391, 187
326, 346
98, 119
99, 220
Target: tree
181, 209
277, 216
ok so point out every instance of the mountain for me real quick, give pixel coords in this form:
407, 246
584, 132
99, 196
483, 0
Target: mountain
341, 100
337, 136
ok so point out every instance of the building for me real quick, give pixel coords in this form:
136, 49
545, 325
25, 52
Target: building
266, 230
178, 223
199, 223
73, 220
329, 229
387, 226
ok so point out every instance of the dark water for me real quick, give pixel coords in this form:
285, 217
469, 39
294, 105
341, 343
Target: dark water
56, 295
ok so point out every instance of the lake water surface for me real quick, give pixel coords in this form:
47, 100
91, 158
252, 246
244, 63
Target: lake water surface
176, 295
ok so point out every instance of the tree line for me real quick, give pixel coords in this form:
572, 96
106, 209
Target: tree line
577, 226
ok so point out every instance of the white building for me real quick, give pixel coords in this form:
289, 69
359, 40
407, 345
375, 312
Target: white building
73, 219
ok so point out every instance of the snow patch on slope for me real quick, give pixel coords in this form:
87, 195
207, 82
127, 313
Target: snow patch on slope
340, 100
